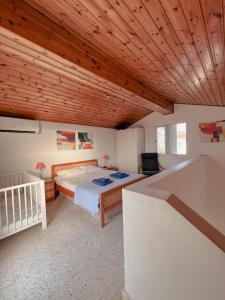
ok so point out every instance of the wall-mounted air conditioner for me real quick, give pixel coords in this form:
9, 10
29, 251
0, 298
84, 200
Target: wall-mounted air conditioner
15, 125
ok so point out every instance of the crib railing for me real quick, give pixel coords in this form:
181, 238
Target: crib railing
21, 205
12, 179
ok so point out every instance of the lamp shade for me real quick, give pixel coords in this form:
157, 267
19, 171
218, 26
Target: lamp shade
105, 157
40, 166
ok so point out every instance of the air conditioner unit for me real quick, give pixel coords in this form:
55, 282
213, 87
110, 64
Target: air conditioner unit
19, 125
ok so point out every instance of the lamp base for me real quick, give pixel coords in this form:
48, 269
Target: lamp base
41, 175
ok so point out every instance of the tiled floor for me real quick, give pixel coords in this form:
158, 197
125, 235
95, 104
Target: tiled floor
72, 259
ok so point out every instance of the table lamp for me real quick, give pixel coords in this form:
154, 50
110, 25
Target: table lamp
40, 166
105, 157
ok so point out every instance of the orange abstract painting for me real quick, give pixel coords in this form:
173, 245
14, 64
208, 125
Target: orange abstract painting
66, 140
212, 132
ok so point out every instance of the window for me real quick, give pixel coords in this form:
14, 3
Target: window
171, 139
161, 140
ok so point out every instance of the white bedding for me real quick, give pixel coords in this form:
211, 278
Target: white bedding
70, 182
88, 194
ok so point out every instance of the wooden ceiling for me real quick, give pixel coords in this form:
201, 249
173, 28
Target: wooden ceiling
40, 85
123, 58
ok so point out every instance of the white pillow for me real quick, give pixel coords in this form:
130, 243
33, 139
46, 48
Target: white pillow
89, 168
73, 171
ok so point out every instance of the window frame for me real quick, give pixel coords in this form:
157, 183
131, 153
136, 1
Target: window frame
187, 138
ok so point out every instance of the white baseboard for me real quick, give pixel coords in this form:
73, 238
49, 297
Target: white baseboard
125, 295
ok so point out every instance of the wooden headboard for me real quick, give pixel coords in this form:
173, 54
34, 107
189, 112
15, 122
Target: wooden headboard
70, 165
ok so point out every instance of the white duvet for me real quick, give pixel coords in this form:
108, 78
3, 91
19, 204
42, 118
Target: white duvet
87, 194
71, 181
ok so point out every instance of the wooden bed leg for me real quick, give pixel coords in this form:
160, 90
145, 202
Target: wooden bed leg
102, 222
102, 213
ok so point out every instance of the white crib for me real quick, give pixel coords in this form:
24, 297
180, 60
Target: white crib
22, 203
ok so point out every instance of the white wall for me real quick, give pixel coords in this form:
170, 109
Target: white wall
193, 115
166, 257
23, 151
202, 191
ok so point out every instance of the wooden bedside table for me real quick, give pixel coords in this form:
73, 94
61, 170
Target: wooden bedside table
49, 189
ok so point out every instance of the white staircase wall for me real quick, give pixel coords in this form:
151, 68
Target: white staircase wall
166, 256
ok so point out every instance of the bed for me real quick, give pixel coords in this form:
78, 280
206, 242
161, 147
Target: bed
79, 186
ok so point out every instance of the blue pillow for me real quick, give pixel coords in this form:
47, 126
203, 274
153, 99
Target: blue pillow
102, 181
119, 175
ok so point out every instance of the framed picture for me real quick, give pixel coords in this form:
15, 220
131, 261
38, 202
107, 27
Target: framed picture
66, 140
85, 140
212, 132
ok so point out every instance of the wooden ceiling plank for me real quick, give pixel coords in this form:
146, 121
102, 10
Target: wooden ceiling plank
46, 100
43, 116
178, 50
26, 87
176, 16
64, 20
188, 47
19, 21
157, 43
165, 36
67, 109
116, 100
23, 89
212, 14
123, 60
195, 20
130, 42
9, 105
133, 42
205, 91
22, 51
73, 83
7, 81
91, 8
14, 100
88, 99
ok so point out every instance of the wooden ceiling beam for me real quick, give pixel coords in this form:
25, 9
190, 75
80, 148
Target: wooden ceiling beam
25, 21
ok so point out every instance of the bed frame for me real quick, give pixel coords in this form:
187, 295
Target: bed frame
108, 200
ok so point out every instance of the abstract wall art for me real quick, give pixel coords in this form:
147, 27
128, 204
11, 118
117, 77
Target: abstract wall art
85, 140
212, 132
66, 140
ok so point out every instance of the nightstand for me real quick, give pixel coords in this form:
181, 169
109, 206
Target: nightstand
112, 168
49, 189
